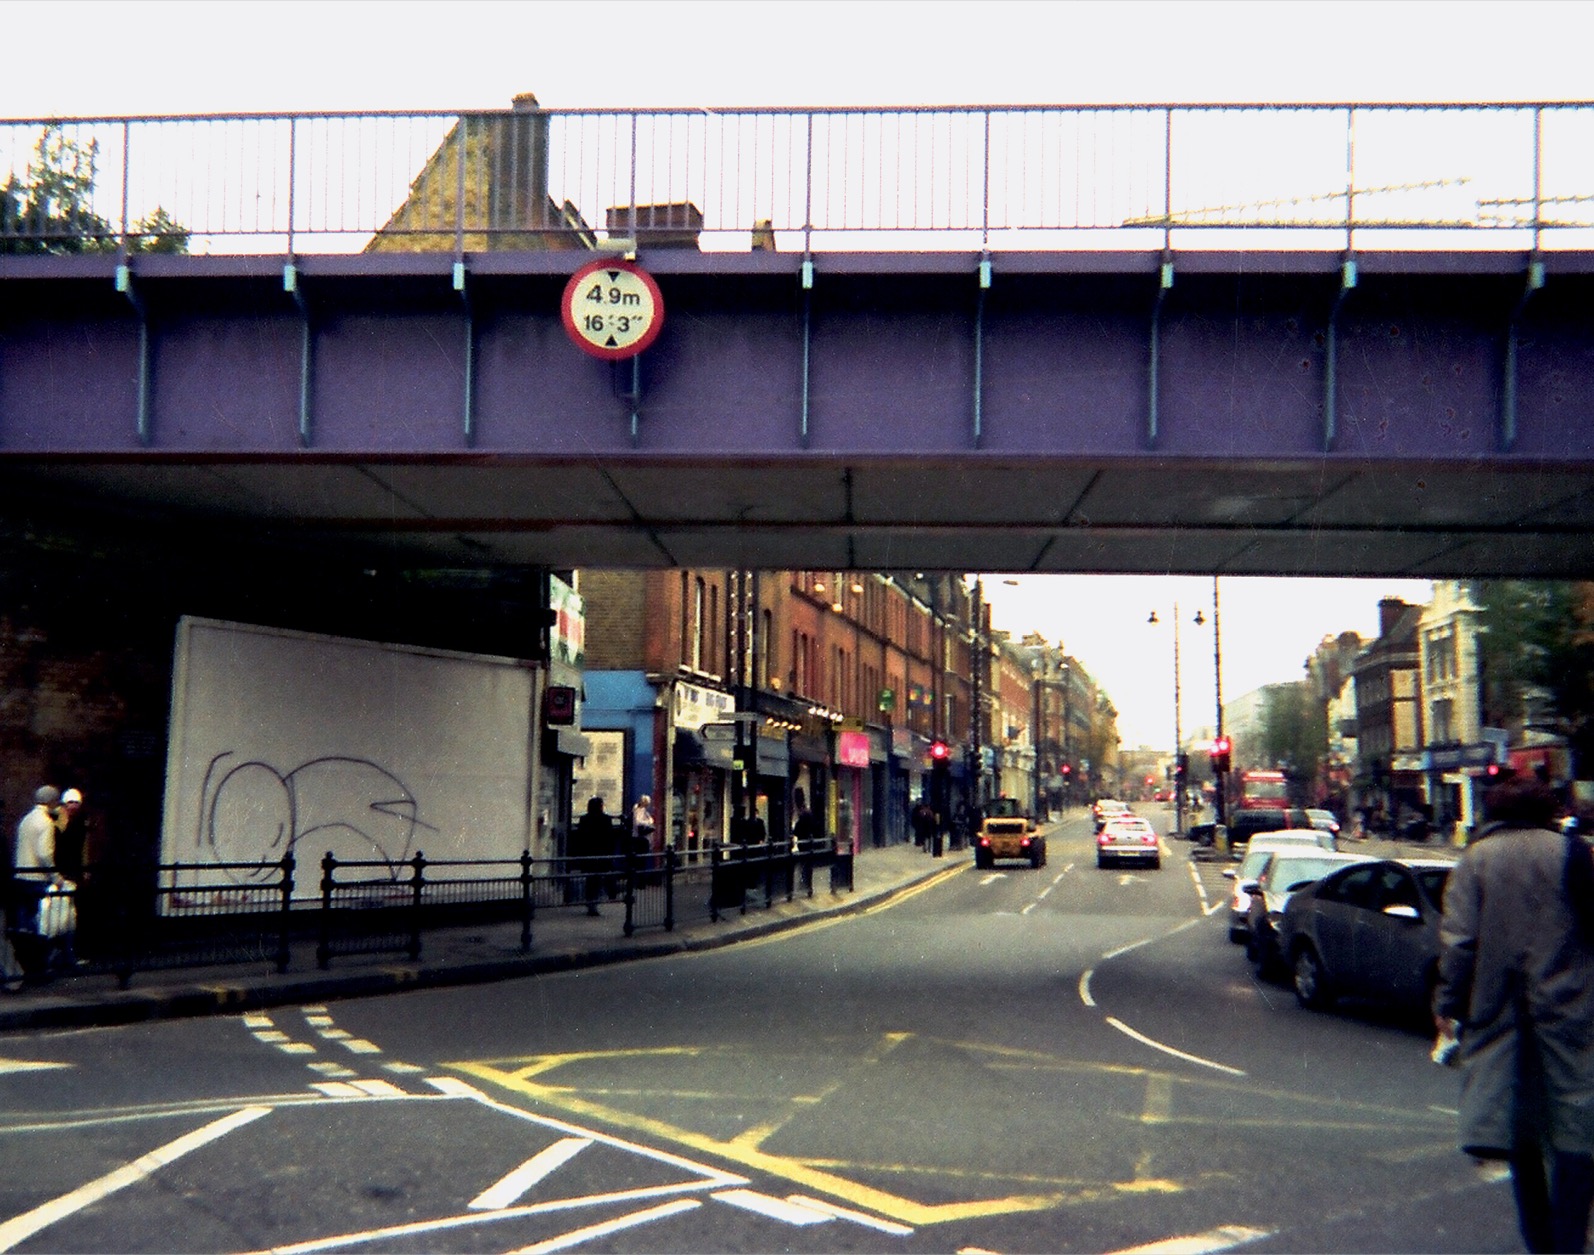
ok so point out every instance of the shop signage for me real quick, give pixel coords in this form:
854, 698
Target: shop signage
696, 705
852, 749
1455, 757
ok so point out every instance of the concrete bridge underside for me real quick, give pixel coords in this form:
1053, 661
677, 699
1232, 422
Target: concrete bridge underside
1258, 416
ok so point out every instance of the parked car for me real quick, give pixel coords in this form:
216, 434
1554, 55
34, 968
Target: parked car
1128, 838
1248, 821
1245, 876
1324, 819
1288, 870
1371, 931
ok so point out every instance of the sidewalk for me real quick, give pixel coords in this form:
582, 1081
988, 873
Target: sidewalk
561, 940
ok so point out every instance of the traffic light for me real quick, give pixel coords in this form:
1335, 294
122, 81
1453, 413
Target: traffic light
1220, 753
1181, 770
940, 751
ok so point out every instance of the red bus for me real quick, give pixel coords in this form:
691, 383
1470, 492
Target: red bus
1263, 788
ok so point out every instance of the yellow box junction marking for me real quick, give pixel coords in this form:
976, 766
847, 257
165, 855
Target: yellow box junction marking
534, 1077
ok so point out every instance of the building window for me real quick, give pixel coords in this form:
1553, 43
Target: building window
695, 655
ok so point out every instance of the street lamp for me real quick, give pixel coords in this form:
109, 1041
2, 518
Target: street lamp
1220, 808
1178, 725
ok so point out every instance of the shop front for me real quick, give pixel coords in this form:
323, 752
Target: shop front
810, 775
854, 793
700, 769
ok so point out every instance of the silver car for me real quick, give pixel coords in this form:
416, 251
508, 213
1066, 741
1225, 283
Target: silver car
1128, 838
1370, 931
1288, 870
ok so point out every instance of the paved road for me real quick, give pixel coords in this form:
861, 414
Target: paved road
1061, 1059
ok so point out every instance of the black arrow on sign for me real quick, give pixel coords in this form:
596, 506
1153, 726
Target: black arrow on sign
611, 343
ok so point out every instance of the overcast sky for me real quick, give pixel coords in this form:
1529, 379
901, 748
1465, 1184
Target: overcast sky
131, 57
135, 56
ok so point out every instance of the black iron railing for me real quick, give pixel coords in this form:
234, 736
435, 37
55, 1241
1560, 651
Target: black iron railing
123, 918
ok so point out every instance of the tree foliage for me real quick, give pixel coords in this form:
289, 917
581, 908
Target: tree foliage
1294, 731
50, 209
1538, 659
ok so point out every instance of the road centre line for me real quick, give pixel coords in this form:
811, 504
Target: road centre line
20, 1228
1201, 889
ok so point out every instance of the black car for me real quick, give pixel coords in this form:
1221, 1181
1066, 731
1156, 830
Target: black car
1370, 931
1247, 822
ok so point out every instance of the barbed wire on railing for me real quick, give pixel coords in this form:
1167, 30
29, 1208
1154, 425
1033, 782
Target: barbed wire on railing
795, 179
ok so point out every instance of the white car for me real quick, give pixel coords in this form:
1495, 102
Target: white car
1287, 870
1244, 876
1128, 838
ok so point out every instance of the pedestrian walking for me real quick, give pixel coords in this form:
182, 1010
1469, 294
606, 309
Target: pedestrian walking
594, 850
1516, 984
804, 828
34, 876
924, 825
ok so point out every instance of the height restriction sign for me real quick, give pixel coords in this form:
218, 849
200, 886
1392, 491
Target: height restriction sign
612, 309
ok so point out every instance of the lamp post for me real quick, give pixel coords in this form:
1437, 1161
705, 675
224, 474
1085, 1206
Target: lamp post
1220, 805
1178, 724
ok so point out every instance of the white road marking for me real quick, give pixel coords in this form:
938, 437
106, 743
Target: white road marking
774, 1208
362, 1047
1201, 889
403, 1069
1169, 1050
27, 1065
339, 1089
270, 1036
846, 1213
1084, 987
20, 1228
509, 1188
1030, 907
334, 1034
318, 1021
257, 1020
578, 1236
1224, 1238
380, 1089
993, 878
328, 1068
296, 1048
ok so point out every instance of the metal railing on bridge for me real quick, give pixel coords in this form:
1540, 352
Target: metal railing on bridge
1334, 176
124, 918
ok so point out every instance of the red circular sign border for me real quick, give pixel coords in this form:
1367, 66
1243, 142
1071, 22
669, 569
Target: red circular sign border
567, 312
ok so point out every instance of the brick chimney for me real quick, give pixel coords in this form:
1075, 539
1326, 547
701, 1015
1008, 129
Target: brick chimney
1389, 612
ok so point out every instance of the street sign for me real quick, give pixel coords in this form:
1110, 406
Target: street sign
612, 309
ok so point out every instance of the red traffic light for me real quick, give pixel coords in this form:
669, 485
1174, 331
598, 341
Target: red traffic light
1067, 769
940, 751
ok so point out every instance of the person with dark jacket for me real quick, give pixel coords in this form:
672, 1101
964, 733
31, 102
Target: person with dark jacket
1516, 984
594, 841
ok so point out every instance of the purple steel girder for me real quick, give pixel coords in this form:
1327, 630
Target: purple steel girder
870, 374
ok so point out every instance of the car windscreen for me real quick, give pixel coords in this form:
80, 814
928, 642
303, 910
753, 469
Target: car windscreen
1293, 871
